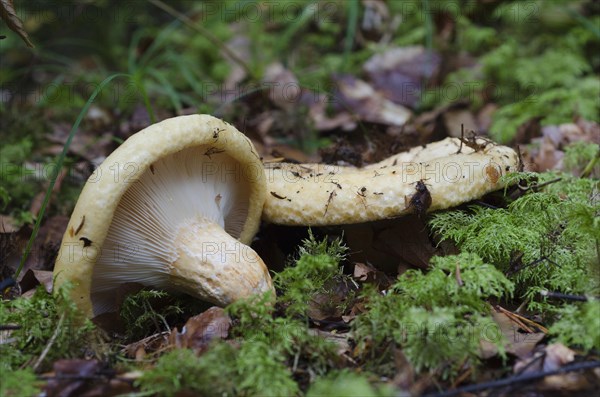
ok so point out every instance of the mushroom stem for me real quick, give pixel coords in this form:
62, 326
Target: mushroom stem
213, 266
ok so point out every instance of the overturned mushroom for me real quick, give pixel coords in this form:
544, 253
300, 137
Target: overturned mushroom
437, 176
166, 210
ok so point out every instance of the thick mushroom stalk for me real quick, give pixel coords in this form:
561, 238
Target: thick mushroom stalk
207, 264
438, 176
171, 208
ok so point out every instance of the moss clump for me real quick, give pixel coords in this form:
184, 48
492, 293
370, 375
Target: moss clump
437, 318
316, 271
282, 340
579, 325
546, 239
270, 355
182, 370
582, 158
43, 319
258, 362
18, 182
17, 383
349, 384
141, 315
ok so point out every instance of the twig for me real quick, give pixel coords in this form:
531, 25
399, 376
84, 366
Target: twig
50, 343
9, 327
515, 318
537, 186
525, 378
559, 295
528, 321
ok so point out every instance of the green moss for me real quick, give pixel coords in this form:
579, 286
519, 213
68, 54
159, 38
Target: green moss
579, 156
316, 271
543, 240
142, 317
349, 384
18, 383
553, 106
437, 318
43, 320
181, 370
579, 325
288, 338
258, 362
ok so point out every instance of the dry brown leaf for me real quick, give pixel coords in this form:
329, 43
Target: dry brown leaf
517, 343
398, 73
32, 278
283, 86
199, 331
361, 100
362, 271
12, 20
71, 377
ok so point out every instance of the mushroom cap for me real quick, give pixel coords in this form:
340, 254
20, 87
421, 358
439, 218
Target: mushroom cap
320, 195
200, 139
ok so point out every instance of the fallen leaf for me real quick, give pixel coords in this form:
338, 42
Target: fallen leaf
399, 72
12, 20
362, 271
364, 102
283, 86
329, 305
47, 243
71, 377
517, 343
199, 331
33, 278
557, 355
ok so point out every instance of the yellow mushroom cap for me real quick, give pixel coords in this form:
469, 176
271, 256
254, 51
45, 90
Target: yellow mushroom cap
320, 195
171, 208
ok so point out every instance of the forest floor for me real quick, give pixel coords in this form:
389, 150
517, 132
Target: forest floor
499, 296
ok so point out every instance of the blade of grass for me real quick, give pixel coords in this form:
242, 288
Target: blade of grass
168, 88
350, 29
138, 81
303, 20
58, 167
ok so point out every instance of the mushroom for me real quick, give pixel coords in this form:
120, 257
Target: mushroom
166, 210
437, 176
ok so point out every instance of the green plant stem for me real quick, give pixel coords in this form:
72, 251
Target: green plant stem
590, 166
137, 80
351, 29
58, 167
211, 37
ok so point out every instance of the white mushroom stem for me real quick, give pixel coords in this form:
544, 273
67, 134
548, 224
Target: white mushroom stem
317, 194
213, 266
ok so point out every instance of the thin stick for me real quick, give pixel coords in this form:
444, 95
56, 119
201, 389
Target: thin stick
524, 319
513, 317
559, 295
512, 380
50, 343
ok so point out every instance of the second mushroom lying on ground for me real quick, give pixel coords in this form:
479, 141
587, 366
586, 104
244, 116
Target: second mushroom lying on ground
166, 210
437, 176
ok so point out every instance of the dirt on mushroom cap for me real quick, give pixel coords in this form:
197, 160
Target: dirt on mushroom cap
318, 194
